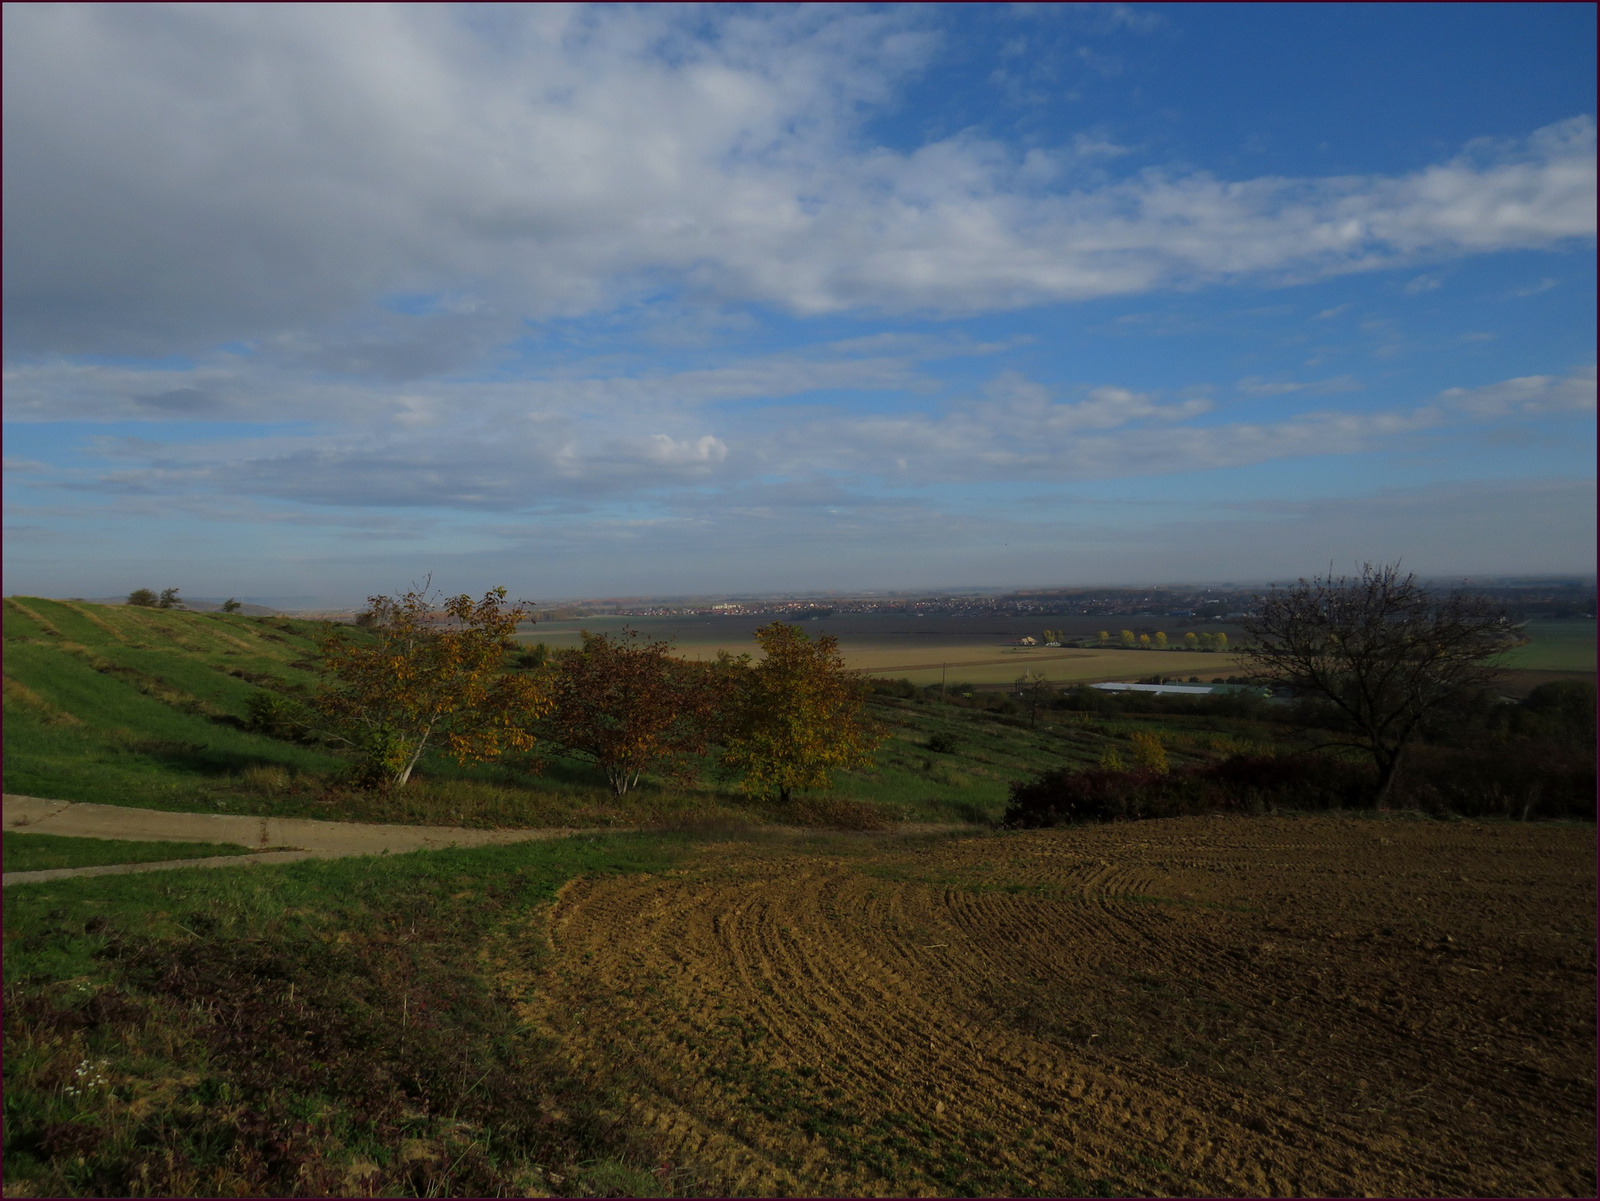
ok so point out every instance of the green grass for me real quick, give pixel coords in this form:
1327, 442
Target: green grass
1555, 645
144, 707
42, 852
319, 1027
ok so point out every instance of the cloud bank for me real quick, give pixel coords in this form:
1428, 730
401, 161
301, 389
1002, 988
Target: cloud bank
184, 176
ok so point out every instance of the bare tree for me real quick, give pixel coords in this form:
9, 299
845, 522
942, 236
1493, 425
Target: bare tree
1380, 650
1031, 687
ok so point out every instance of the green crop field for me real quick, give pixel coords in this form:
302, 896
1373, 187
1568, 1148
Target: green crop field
1567, 644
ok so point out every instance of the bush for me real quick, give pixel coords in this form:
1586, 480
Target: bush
904, 689
942, 744
1240, 784
277, 716
1519, 780
1562, 712
143, 598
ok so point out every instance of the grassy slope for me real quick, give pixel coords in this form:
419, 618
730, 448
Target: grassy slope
43, 852
142, 707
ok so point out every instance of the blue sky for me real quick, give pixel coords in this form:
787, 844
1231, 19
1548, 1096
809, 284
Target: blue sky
314, 301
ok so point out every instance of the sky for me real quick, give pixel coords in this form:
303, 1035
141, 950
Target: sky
318, 302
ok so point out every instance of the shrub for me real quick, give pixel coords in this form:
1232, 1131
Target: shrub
1148, 753
277, 716
1240, 784
1562, 711
904, 689
942, 744
1519, 780
143, 598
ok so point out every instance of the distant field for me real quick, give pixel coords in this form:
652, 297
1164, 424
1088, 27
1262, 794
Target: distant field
1564, 645
975, 649
922, 650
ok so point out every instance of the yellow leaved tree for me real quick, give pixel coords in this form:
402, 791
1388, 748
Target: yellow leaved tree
800, 715
428, 675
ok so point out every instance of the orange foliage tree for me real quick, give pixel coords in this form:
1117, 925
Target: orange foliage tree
632, 707
800, 714
422, 680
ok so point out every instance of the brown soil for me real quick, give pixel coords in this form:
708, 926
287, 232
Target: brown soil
1267, 1006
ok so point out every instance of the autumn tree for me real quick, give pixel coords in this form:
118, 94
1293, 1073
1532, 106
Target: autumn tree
1191, 641
1105, 637
1379, 653
1161, 640
1127, 638
632, 707
426, 676
799, 715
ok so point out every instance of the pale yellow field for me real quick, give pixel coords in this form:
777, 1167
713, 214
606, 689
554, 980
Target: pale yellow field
995, 665
969, 661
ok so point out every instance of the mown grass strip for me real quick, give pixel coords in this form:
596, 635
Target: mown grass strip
47, 852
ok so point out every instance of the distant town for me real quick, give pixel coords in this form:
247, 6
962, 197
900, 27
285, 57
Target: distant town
1523, 598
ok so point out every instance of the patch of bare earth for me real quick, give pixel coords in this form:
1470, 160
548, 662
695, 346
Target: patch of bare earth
1267, 1006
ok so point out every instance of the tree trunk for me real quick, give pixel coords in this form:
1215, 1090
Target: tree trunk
783, 795
404, 777
1388, 769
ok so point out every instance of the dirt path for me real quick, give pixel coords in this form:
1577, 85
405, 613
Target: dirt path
290, 838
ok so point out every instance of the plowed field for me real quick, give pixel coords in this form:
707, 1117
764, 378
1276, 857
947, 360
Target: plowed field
1200, 1006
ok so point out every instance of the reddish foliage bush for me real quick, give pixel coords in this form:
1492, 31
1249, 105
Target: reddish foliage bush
1240, 784
1516, 779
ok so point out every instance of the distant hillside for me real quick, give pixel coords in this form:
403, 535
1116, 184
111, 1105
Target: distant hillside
196, 606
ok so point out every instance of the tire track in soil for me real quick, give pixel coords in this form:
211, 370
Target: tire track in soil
918, 1023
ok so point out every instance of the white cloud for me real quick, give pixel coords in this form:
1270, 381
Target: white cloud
682, 452
1527, 396
513, 447
1544, 285
1423, 283
177, 177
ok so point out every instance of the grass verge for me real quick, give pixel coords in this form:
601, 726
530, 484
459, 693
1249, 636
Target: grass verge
43, 852
320, 1028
